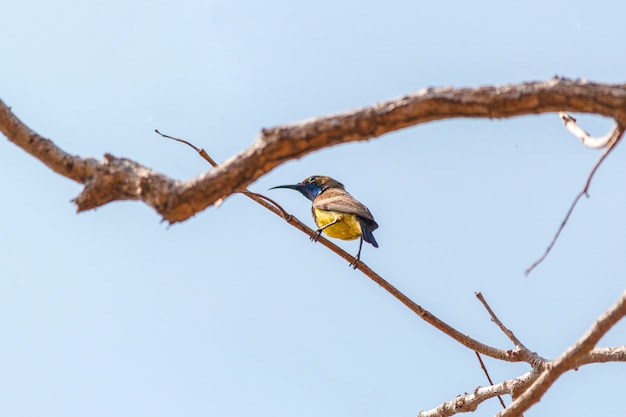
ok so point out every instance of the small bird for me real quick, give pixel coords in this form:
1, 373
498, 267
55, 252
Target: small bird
336, 212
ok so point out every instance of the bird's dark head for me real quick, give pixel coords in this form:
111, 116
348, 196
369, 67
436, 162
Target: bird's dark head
311, 186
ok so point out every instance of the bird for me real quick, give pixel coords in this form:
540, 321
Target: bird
336, 212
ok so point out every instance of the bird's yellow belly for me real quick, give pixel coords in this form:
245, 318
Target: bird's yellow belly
346, 228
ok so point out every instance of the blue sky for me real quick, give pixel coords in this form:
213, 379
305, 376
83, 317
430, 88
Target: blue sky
233, 312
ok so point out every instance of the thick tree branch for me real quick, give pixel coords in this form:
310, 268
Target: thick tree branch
70, 166
177, 201
105, 181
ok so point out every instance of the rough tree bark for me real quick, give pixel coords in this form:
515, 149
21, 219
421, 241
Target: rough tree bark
121, 179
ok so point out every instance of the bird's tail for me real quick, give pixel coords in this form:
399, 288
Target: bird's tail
368, 236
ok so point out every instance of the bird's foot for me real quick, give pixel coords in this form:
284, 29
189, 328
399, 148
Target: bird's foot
354, 263
316, 236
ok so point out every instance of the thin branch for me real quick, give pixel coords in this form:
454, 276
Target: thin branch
615, 137
265, 201
532, 358
505, 355
424, 314
497, 321
567, 361
484, 368
122, 179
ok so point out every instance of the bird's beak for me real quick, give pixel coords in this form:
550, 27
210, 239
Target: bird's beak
297, 187
303, 188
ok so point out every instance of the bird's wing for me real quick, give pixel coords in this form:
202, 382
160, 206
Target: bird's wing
339, 200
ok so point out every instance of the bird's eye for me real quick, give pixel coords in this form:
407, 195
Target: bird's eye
312, 179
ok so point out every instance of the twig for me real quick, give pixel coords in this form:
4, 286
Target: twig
568, 360
259, 198
615, 137
484, 368
497, 321
532, 358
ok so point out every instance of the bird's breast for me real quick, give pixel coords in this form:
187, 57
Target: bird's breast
347, 226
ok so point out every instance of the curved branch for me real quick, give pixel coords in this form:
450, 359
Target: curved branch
612, 139
177, 201
586, 139
105, 181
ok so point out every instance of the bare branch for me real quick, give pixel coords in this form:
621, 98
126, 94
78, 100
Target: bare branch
506, 355
470, 402
587, 140
568, 360
616, 136
265, 201
484, 368
177, 201
577, 355
497, 321
526, 354
604, 354
61, 162
283, 143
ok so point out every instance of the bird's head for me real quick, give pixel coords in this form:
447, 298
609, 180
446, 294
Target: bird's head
311, 186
